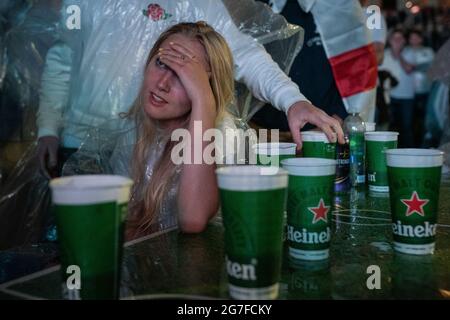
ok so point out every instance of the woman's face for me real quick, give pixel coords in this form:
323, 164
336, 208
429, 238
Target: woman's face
165, 98
397, 41
415, 40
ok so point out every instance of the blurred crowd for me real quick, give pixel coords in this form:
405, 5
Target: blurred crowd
411, 99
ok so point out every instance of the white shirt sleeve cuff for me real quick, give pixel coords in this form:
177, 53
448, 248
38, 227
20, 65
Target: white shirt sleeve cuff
288, 96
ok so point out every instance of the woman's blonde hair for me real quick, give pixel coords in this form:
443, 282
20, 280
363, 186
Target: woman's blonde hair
148, 196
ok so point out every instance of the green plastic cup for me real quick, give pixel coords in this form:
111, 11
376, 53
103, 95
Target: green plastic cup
376, 143
271, 154
317, 145
414, 183
310, 200
252, 210
90, 214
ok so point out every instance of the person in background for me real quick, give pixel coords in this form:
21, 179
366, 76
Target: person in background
319, 69
310, 70
423, 57
400, 63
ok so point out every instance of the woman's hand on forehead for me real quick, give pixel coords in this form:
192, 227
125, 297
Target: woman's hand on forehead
190, 70
183, 50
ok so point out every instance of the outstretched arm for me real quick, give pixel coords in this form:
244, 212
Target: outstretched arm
255, 67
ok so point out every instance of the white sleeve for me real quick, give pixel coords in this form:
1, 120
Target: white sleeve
253, 65
409, 56
54, 91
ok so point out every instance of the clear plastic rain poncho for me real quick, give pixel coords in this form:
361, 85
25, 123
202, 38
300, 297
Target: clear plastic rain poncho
27, 30
31, 221
437, 121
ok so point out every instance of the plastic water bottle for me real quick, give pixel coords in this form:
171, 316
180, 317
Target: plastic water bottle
354, 128
342, 180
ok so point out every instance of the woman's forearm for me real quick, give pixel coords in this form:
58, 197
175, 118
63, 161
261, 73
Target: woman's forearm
198, 197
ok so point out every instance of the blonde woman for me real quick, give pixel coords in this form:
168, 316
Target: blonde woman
188, 77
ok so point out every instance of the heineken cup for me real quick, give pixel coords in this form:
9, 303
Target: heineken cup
376, 143
252, 210
90, 214
414, 182
310, 200
317, 145
271, 154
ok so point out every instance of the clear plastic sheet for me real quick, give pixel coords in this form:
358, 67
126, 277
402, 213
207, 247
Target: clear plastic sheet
282, 40
440, 73
25, 216
27, 30
440, 69
91, 101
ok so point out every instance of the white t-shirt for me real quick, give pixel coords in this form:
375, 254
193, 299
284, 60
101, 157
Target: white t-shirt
405, 87
423, 57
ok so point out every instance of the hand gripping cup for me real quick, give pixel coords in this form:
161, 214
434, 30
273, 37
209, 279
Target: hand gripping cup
271, 154
376, 143
90, 214
310, 200
252, 210
317, 145
414, 182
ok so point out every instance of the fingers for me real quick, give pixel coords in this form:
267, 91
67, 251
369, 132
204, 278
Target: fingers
295, 128
180, 49
172, 62
338, 128
333, 130
178, 58
335, 116
331, 135
303, 112
340, 133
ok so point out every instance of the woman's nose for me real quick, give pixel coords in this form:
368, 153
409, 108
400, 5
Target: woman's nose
165, 80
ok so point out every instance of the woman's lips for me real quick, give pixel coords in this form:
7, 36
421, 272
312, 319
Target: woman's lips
156, 100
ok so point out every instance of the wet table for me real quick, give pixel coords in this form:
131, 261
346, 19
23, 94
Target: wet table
172, 264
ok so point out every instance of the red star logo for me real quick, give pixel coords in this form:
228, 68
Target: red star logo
415, 204
320, 212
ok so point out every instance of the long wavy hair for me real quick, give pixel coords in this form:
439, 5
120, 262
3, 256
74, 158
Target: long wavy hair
148, 196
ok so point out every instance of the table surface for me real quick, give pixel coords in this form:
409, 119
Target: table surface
172, 264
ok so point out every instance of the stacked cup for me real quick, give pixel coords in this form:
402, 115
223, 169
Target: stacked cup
272, 153
317, 145
377, 142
